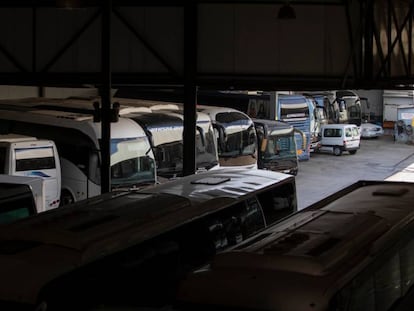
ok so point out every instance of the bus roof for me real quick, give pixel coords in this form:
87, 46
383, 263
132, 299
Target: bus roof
164, 128
11, 138
299, 263
124, 128
61, 240
152, 104
273, 124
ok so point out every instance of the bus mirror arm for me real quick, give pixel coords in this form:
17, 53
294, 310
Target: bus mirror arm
201, 131
222, 136
96, 112
115, 112
303, 138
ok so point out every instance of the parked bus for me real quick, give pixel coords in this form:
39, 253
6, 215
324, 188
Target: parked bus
351, 251
165, 131
22, 155
324, 101
236, 136
276, 146
78, 141
161, 121
349, 100
298, 111
132, 248
344, 105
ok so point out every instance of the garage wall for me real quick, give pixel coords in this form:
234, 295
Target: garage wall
232, 38
250, 39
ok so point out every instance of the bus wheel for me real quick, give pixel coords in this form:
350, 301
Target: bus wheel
352, 151
337, 151
66, 198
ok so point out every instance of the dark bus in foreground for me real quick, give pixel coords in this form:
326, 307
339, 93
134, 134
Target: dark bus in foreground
351, 251
133, 247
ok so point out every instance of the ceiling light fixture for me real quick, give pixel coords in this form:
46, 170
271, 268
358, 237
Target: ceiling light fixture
69, 4
286, 12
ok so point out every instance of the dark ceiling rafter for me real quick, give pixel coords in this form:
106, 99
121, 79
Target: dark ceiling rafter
378, 45
164, 3
360, 60
399, 31
71, 41
401, 45
145, 42
410, 42
12, 59
352, 54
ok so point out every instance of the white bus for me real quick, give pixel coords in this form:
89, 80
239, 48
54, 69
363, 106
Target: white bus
133, 248
22, 155
234, 130
165, 130
161, 121
352, 251
236, 136
78, 141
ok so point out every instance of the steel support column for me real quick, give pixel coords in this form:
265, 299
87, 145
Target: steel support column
190, 87
368, 40
105, 91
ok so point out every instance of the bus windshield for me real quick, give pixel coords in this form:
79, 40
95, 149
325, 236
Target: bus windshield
206, 151
279, 146
130, 162
293, 110
169, 157
321, 114
240, 134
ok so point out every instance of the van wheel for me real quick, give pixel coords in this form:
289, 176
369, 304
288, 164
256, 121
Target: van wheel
66, 198
352, 151
337, 151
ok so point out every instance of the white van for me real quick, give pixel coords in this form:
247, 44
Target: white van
337, 138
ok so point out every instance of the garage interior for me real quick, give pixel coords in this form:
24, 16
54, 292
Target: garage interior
186, 51
170, 47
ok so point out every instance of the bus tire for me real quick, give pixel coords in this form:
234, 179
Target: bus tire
337, 151
352, 151
66, 198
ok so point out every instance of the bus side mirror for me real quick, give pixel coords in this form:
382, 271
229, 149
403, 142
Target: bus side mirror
221, 139
96, 112
342, 105
115, 112
202, 136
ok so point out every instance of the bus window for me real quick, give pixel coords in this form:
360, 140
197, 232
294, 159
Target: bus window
28, 159
3, 151
277, 203
232, 225
375, 289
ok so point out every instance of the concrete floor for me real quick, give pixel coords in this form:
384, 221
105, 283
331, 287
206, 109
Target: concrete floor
325, 173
